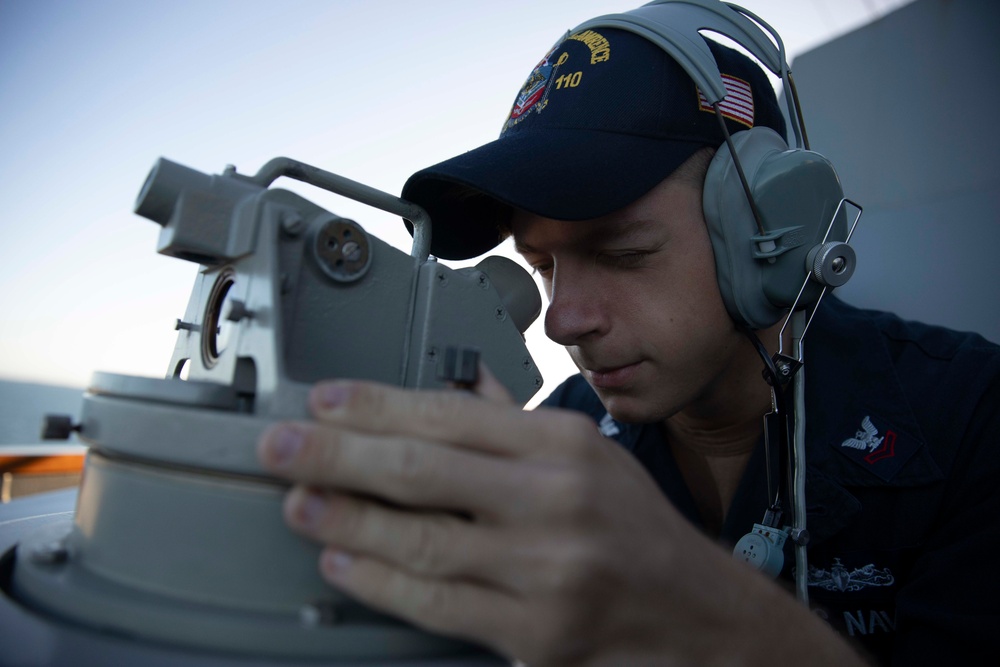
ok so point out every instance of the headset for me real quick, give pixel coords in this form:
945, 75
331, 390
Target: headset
777, 220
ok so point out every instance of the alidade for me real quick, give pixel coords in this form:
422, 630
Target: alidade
176, 551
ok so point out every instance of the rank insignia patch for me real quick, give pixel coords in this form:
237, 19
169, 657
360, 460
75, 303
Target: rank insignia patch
877, 447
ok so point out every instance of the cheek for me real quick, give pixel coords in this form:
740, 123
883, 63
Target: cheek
682, 316
701, 284
686, 293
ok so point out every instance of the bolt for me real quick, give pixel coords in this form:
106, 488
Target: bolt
838, 265
230, 170
352, 251
432, 353
58, 427
538, 381
186, 326
500, 313
483, 281
800, 536
292, 223
526, 363
238, 311
442, 279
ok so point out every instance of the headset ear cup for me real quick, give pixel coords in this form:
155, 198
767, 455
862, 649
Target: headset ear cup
731, 223
796, 193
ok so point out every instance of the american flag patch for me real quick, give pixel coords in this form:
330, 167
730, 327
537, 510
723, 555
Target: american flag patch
736, 105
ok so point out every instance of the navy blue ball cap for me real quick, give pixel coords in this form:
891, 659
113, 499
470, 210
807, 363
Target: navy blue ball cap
603, 118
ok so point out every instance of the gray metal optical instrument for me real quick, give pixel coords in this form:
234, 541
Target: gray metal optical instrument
176, 552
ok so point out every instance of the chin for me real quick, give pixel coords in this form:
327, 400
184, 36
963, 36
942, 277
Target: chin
632, 410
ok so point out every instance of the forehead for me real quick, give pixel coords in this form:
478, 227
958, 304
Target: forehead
670, 207
535, 233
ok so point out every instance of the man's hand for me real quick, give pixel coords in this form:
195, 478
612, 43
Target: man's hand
525, 531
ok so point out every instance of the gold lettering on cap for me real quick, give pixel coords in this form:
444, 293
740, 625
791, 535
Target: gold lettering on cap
600, 49
569, 80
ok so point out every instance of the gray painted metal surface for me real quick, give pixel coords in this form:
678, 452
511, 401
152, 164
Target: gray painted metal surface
902, 108
31, 637
176, 552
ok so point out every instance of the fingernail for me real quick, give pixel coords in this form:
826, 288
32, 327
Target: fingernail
283, 444
336, 562
309, 509
330, 395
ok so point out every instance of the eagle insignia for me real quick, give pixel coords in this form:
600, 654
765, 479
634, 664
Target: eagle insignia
867, 438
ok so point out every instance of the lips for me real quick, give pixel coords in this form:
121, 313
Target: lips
612, 377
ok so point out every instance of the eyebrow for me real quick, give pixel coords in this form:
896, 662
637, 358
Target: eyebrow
523, 248
622, 230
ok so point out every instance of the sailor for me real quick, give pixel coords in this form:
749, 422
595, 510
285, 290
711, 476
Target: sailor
599, 528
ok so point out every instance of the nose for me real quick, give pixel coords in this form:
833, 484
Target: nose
574, 311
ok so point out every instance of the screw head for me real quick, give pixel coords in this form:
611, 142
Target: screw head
352, 251
292, 223
800, 536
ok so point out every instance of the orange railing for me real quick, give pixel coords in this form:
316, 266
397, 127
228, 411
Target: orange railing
28, 469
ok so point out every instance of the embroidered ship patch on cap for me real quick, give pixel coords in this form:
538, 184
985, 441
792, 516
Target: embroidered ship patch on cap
533, 91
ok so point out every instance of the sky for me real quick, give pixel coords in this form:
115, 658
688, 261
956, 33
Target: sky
93, 92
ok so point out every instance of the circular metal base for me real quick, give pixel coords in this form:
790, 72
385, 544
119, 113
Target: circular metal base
29, 635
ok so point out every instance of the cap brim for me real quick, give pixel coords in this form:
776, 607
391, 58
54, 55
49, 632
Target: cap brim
564, 174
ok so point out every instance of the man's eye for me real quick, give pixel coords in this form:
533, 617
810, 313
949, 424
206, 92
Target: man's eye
542, 270
624, 260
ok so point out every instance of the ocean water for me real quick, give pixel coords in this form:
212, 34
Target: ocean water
23, 406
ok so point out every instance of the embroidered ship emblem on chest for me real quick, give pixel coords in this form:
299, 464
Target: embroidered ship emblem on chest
838, 578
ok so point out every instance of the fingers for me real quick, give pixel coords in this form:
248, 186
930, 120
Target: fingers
458, 418
427, 544
402, 470
442, 416
457, 608
490, 388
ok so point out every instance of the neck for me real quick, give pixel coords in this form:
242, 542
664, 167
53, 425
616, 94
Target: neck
712, 439
727, 418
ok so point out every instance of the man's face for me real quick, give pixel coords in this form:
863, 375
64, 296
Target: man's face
634, 298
